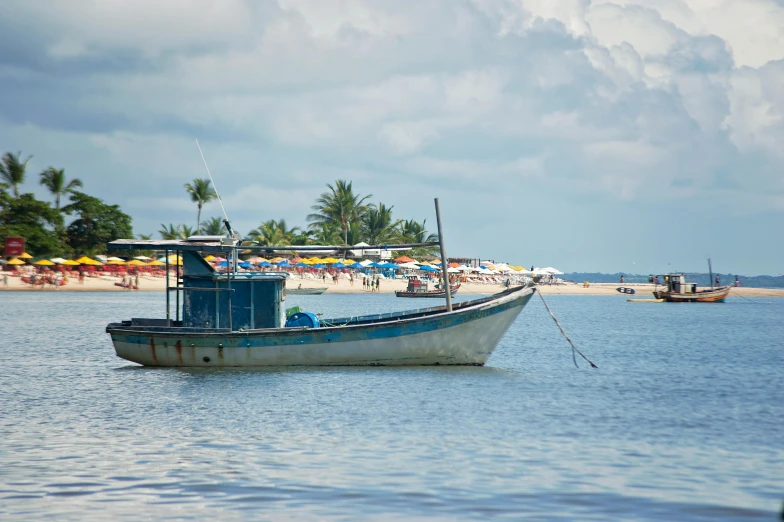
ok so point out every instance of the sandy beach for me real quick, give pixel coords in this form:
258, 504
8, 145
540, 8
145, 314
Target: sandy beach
157, 284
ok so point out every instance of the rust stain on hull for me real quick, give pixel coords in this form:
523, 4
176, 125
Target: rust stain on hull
178, 349
152, 350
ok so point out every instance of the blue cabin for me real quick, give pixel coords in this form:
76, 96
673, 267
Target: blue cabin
256, 298
206, 298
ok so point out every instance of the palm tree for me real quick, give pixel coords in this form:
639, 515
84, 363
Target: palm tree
185, 232
271, 233
413, 232
54, 180
212, 227
12, 170
201, 193
325, 234
340, 206
170, 232
378, 226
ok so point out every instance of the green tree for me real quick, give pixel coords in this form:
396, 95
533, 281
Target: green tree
325, 234
377, 225
96, 224
411, 231
54, 180
201, 192
212, 227
185, 232
170, 232
340, 206
13, 170
34, 220
274, 233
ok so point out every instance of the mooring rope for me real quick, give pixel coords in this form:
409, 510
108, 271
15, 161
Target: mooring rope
574, 348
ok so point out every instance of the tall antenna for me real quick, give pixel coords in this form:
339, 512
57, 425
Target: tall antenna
225, 217
213, 181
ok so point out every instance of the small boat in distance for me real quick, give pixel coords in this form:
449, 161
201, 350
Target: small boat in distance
677, 290
419, 288
306, 291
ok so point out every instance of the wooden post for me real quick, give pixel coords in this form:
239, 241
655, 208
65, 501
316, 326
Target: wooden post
168, 318
444, 265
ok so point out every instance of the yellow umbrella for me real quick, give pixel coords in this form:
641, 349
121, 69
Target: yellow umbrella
156, 263
84, 260
175, 259
44, 262
117, 262
70, 262
349, 262
26, 256
16, 261
209, 257
136, 262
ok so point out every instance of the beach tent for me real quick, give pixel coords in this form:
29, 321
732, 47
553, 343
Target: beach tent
84, 260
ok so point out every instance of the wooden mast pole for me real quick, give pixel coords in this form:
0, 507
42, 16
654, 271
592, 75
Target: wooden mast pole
444, 265
710, 270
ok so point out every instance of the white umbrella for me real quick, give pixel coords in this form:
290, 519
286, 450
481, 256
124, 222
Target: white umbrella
409, 265
548, 270
366, 262
452, 270
143, 258
464, 268
114, 259
58, 260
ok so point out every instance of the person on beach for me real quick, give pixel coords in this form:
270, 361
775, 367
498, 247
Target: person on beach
137, 280
622, 279
351, 279
378, 285
737, 281
5, 280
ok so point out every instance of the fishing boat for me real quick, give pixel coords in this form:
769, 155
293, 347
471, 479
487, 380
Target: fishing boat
418, 288
677, 290
306, 291
238, 319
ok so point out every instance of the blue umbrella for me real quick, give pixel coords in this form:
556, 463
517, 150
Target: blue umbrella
373, 265
303, 265
319, 266
284, 264
223, 264
265, 264
393, 266
245, 264
429, 269
338, 265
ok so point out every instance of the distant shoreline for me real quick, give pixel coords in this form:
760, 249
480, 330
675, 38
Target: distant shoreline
148, 284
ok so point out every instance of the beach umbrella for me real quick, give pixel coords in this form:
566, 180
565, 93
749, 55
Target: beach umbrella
389, 265
348, 262
302, 264
208, 258
69, 262
338, 265
464, 268
428, 268
16, 261
319, 265
404, 259
366, 262
156, 263
44, 262
143, 258
452, 270
115, 259
136, 262
115, 262
223, 264
284, 264
25, 255
84, 260
244, 264
57, 260
265, 264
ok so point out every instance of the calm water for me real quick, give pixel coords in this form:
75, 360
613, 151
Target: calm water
683, 420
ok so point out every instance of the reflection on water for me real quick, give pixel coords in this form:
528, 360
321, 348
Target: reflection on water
681, 421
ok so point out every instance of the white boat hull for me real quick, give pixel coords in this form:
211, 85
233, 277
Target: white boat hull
463, 337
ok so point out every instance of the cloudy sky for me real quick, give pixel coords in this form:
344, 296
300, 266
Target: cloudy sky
618, 135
